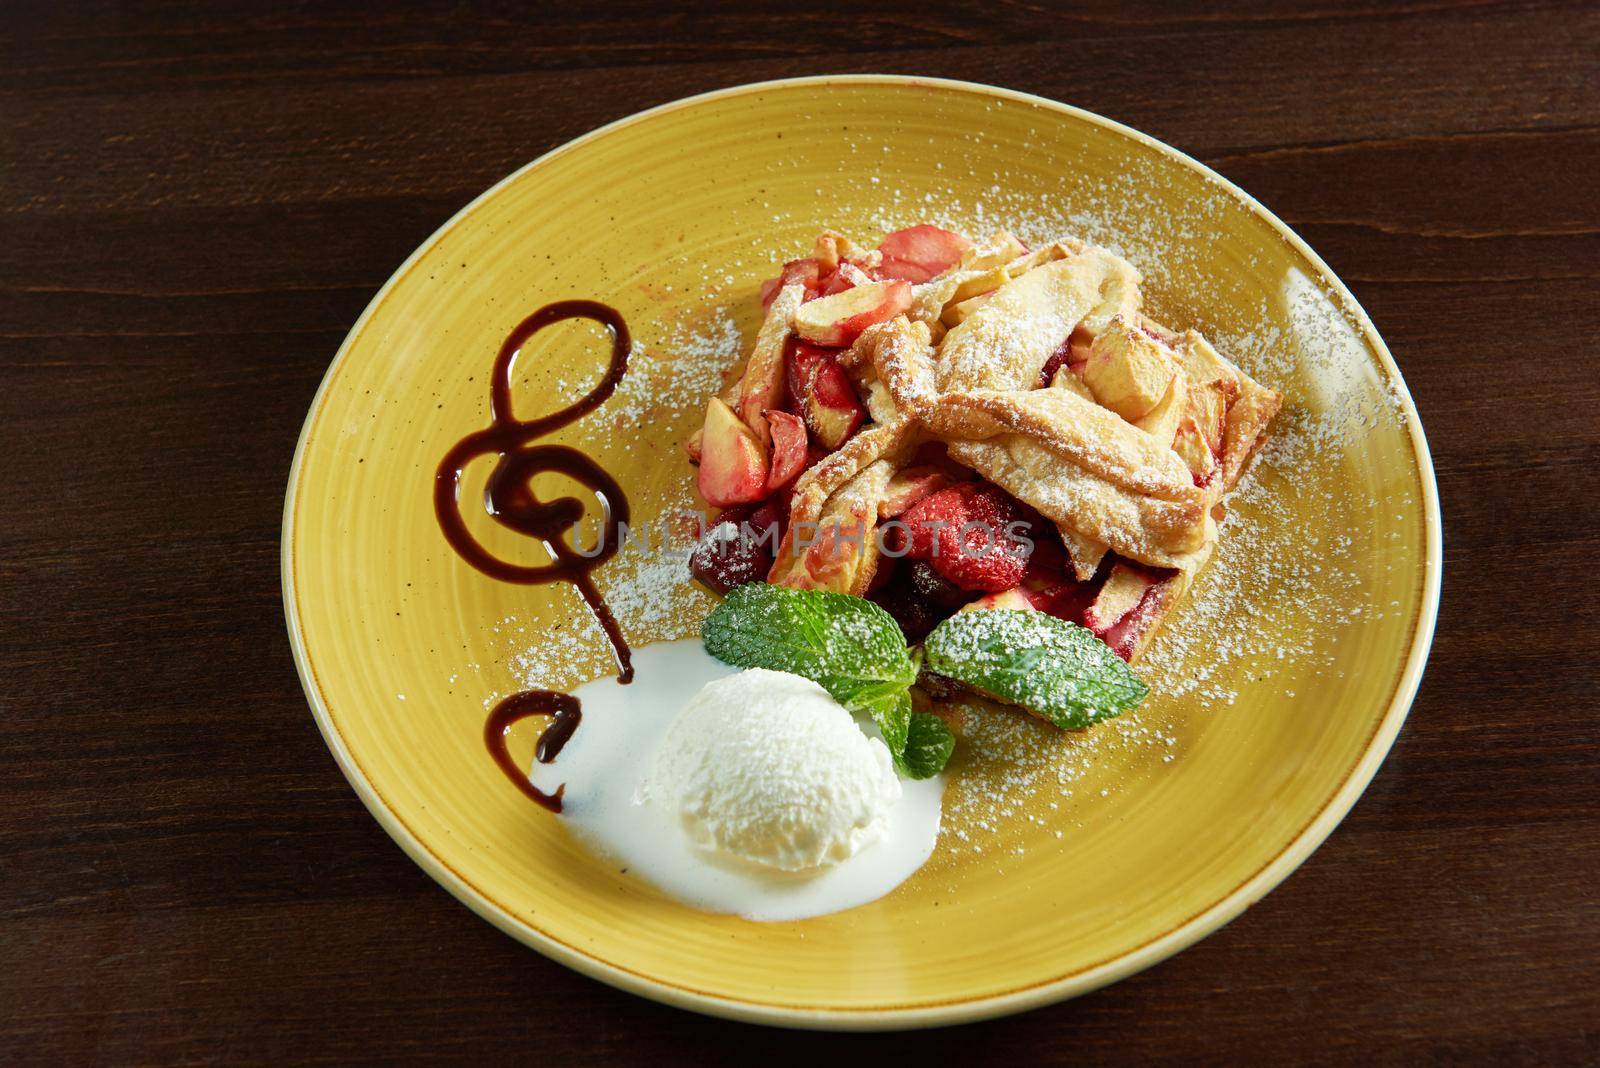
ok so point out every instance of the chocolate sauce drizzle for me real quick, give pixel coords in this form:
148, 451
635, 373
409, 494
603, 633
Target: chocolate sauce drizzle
566, 713
510, 500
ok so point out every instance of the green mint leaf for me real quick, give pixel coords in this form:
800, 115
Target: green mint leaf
1056, 669
892, 713
848, 645
929, 744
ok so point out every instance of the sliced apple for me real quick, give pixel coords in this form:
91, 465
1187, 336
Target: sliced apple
1162, 420
1189, 442
838, 320
733, 465
987, 282
1209, 405
1129, 371
1014, 598
832, 410
955, 314
1000, 250
921, 253
908, 486
800, 359
1123, 590
1038, 258
1135, 629
820, 392
789, 449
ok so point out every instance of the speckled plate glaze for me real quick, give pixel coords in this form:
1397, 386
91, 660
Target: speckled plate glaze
1067, 862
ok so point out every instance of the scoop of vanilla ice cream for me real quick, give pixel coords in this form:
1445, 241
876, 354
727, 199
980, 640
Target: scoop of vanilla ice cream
767, 767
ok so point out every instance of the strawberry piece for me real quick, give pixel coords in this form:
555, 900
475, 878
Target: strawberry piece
969, 533
950, 508
974, 560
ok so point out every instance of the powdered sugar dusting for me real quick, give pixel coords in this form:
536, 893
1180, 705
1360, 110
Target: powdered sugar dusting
677, 365
648, 586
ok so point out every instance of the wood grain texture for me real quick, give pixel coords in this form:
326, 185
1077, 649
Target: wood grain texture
199, 202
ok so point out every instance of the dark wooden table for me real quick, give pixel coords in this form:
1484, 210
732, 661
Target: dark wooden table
197, 205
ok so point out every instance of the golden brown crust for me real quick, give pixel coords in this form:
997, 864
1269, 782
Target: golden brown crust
1081, 465
1083, 552
1128, 452
838, 550
1142, 528
1008, 338
761, 388
814, 487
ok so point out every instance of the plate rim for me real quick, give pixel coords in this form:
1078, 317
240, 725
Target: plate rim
958, 1010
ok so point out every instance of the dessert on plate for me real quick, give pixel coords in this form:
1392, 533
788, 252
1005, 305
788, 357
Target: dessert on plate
941, 426
945, 469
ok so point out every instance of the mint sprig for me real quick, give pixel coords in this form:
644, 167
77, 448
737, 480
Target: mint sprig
1056, 669
929, 744
847, 645
856, 651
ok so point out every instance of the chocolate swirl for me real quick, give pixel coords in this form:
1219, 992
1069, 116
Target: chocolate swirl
510, 500
509, 497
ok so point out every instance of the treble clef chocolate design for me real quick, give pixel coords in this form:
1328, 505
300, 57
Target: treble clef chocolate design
510, 500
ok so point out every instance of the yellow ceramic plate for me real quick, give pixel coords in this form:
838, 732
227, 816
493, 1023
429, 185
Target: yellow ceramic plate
1067, 861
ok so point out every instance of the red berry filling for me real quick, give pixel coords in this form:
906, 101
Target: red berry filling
739, 547
973, 534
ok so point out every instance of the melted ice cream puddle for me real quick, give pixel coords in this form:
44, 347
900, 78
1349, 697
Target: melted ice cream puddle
611, 755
